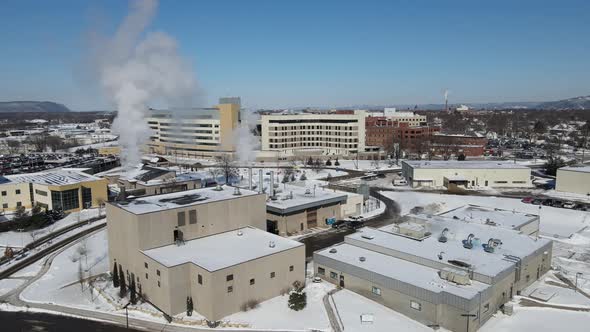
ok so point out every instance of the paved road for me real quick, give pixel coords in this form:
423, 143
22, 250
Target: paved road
28, 321
325, 239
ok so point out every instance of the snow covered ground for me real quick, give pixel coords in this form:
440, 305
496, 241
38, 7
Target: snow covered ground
19, 239
6, 285
275, 314
538, 320
351, 306
555, 222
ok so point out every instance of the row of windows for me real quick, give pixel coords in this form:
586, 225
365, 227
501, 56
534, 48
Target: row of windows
328, 145
230, 277
327, 127
313, 133
313, 138
192, 217
5, 205
17, 191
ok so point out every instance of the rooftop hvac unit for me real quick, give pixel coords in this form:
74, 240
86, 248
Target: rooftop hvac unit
457, 276
333, 251
368, 237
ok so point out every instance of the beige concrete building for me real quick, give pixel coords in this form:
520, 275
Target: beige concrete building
109, 150
438, 173
207, 244
65, 189
573, 179
296, 209
306, 134
411, 118
195, 132
436, 270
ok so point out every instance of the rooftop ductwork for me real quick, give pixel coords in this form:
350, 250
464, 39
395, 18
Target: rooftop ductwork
443, 236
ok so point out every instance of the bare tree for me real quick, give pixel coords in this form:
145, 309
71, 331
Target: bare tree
38, 141
83, 251
55, 143
12, 146
227, 167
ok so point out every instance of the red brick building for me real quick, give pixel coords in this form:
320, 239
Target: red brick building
470, 146
385, 132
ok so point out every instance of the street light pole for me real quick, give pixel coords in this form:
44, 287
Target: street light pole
127, 314
468, 316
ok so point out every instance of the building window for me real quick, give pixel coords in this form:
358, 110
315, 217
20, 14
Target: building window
291, 268
5, 205
19, 204
500, 181
3, 193
415, 305
252, 281
230, 289
376, 290
158, 273
272, 275
65, 200
200, 279
321, 271
146, 276
86, 197
17, 191
181, 218
158, 283
229, 277
192, 217
486, 307
40, 192
145, 264
333, 275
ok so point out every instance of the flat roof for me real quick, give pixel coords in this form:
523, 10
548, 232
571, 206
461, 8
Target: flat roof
465, 164
584, 169
488, 264
303, 198
480, 214
219, 251
51, 178
181, 199
405, 271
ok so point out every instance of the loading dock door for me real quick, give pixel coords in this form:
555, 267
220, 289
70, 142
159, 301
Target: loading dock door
312, 218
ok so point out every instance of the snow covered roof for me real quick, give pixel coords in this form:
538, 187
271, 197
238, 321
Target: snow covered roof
219, 251
481, 262
465, 164
193, 197
491, 216
52, 178
584, 169
398, 269
296, 198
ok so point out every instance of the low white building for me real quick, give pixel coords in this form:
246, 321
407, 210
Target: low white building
523, 222
573, 179
430, 173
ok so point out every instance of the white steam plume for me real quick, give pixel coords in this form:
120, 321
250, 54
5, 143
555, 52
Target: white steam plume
136, 71
244, 140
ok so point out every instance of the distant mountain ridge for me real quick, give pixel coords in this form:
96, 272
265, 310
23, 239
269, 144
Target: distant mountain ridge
32, 106
576, 103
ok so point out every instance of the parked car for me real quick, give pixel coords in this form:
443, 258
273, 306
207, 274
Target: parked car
354, 224
537, 201
527, 200
316, 279
400, 182
339, 224
569, 205
381, 175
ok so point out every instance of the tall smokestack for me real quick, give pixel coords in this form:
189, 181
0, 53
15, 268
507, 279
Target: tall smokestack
446, 100
250, 178
260, 182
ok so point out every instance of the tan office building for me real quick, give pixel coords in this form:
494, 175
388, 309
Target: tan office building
65, 189
329, 134
195, 132
207, 244
573, 179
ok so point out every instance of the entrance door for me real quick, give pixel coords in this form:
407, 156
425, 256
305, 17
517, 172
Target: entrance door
341, 281
486, 183
312, 218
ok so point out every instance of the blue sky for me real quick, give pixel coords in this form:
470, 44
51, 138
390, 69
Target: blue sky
319, 53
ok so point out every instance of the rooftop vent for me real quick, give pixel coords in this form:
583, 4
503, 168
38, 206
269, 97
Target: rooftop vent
443, 236
362, 259
271, 244
490, 222
240, 233
368, 237
237, 191
468, 244
307, 191
333, 251
218, 188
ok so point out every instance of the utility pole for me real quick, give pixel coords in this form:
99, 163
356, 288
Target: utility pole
578, 274
127, 314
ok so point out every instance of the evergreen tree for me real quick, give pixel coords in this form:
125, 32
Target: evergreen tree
336, 163
310, 161
122, 283
297, 297
329, 162
303, 177
115, 276
189, 306
133, 294
461, 157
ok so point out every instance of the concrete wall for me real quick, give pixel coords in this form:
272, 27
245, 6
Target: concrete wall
291, 224
353, 206
9, 197
573, 181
